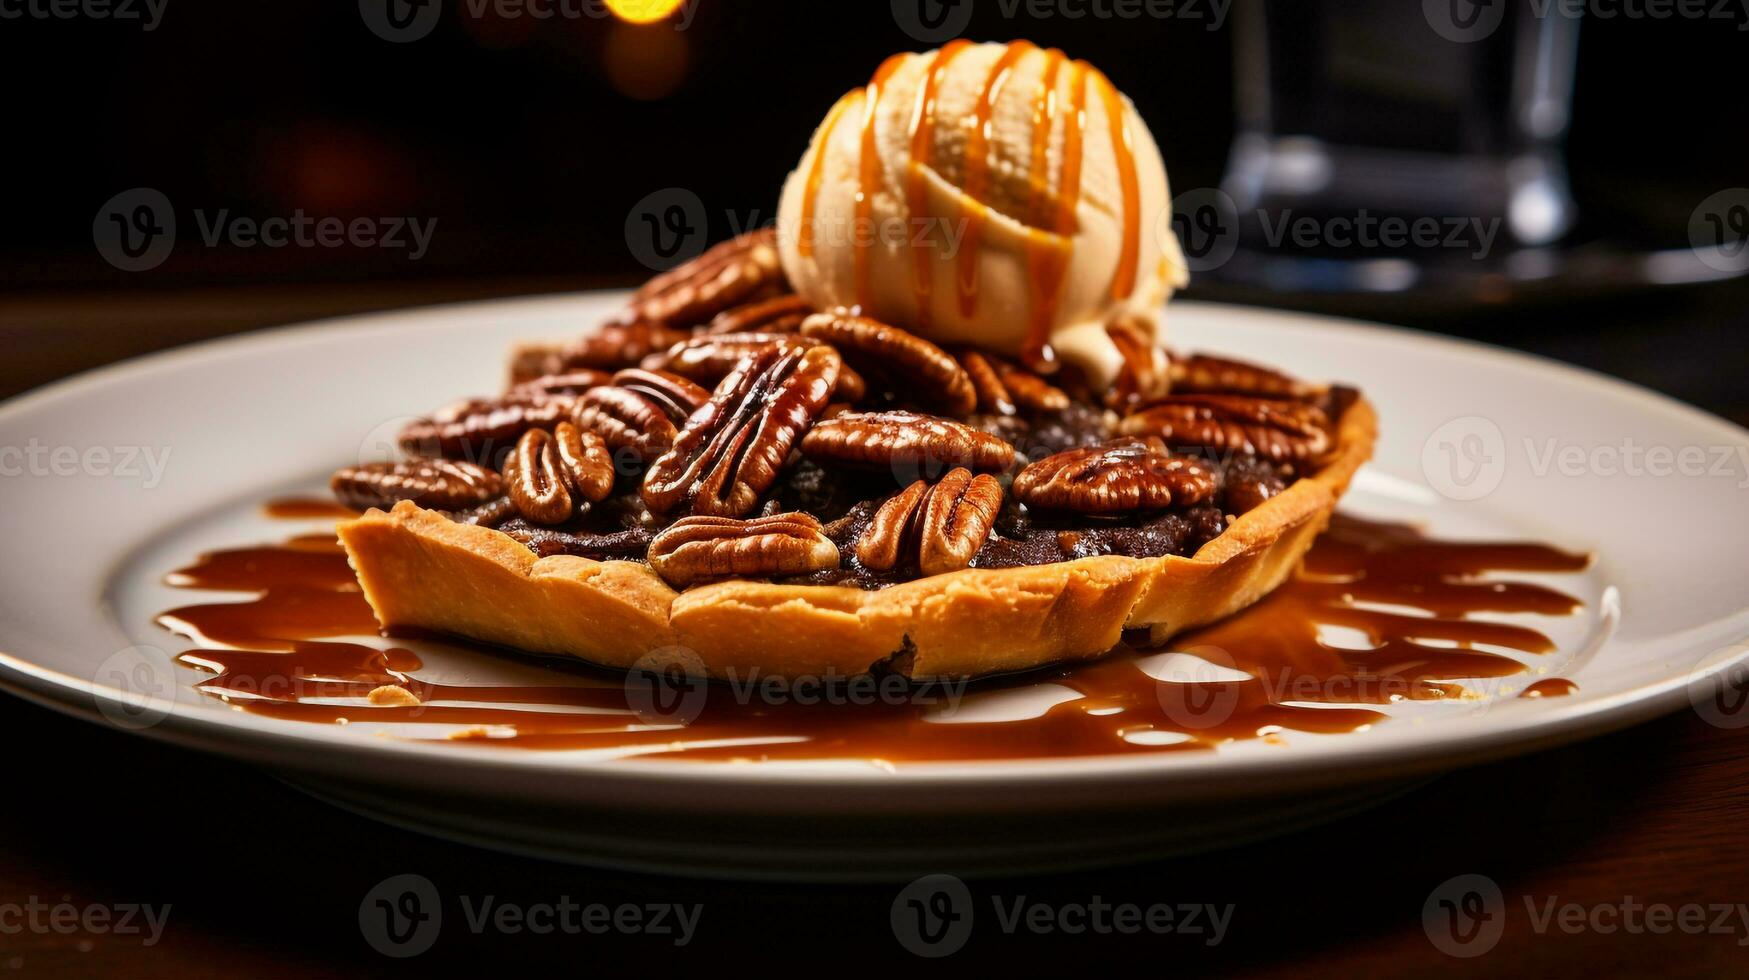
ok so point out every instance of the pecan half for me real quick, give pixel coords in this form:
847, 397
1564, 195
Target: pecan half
436, 484
1030, 392
551, 475
1145, 371
938, 528
909, 443
1279, 431
693, 549
614, 345
732, 449
531, 359
567, 384
677, 396
781, 314
731, 273
903, 360
1125, 475
709, 359
1205, 374
993, 395
480, 429
641, 412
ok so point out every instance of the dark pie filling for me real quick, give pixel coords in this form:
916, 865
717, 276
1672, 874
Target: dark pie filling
844, 500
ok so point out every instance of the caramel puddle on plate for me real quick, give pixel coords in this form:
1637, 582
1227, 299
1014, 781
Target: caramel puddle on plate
274, 655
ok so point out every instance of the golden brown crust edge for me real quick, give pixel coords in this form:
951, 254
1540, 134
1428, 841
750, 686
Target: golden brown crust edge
419, 569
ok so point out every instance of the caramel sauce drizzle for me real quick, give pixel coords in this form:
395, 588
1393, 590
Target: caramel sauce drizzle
817, 172
1550, 687
1124, 281
977, 173
300, 508
1047, 256
275, 655
869, 174
922, 160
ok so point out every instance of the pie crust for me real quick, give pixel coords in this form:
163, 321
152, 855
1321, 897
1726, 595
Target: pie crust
420, 570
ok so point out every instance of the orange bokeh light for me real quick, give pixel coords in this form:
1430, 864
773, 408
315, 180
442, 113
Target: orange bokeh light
643, 11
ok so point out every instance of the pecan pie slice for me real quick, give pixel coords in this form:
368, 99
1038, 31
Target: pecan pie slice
959, 515
802, 491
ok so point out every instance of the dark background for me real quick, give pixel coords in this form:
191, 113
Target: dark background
527, 143
530, 142
520, 138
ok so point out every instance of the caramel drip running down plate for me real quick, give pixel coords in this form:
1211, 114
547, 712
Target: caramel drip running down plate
1402, 624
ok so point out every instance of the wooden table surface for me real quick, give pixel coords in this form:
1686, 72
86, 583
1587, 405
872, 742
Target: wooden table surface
1625, 855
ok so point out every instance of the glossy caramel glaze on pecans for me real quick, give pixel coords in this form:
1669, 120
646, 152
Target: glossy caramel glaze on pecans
993, 396
1205, 374
535, 481
1031, 393
568, 384
1122, 476
641, 412
481, 429
780, 314
903, 361
436, 484
738, 271
1279, 431
732, 449
905, 442
585, 461
709, 359
1145, 371
936, 527
699, 548
609, 348
553, 475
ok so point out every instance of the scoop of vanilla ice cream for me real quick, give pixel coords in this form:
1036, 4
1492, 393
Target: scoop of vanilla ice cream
996, 239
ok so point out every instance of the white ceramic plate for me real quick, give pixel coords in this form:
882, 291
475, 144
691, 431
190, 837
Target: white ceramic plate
1476, 442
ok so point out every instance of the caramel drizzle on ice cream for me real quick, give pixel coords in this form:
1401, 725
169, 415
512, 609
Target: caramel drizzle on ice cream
1051, 220
922, 159
868, 173
977, 175
816, 173
1124, 282
1048, 253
